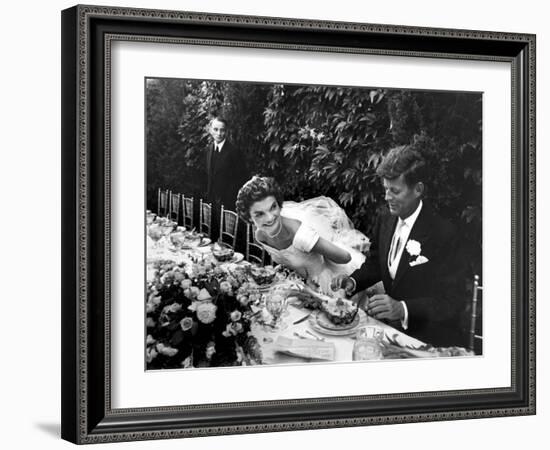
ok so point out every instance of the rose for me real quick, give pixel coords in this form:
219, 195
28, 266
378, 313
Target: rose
151, 353
172, 308
243, 299
225, 287
228, 331
232, 329
206, 312
186, 284
240, 355
150, 307
413, 247
166, 350
155, 299
203, 295
167, 278
210, 350
195, 292
187, 362
150, 323
186, 323
150, 340
179, 276
233, 281
236, 315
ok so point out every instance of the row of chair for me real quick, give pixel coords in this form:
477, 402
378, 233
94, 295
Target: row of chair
181, 209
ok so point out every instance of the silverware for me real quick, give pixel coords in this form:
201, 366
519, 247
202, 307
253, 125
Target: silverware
355, 313
298, 335
301, 320
315, 336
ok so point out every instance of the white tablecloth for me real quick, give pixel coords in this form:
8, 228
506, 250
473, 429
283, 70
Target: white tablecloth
343, 344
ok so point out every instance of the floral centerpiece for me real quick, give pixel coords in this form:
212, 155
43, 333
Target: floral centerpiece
199, 315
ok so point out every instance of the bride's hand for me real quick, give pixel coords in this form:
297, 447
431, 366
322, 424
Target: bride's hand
340, 293
312, 284
343, 282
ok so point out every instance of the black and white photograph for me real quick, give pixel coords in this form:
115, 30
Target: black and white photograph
296, 224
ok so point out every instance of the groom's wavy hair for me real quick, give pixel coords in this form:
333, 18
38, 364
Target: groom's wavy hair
255, 190
407, 161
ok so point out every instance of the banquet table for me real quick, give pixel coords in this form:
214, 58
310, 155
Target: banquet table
343, 344
302, 333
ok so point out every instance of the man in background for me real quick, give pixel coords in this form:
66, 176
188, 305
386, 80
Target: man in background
225, 169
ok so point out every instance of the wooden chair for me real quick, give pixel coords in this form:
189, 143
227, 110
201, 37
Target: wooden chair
254, 251
187, 211
229, 222
205, 218
163, 202
476, 335
174, 211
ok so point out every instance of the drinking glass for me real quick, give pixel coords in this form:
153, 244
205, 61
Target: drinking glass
155, 233
368, 344
275, 304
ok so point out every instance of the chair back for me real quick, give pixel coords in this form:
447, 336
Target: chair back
254, 251
205, 218
175, 200
187, 211
476, 335
229, 222
163, 202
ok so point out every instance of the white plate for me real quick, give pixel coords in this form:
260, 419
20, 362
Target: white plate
237, 257
319, 323
205, 242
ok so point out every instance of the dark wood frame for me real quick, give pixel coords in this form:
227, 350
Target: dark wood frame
87, 416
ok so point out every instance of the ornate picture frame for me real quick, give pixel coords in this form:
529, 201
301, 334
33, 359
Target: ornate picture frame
88, 33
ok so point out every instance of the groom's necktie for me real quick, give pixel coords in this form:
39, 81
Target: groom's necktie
396, 242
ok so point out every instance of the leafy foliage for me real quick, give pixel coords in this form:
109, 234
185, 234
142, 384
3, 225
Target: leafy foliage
322, 140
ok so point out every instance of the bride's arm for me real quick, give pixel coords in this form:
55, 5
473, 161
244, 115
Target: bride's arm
331, 251
308, 240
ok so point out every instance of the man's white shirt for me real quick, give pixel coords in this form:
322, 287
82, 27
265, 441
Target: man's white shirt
402, 231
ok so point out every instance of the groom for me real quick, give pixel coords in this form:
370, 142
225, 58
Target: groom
415, 253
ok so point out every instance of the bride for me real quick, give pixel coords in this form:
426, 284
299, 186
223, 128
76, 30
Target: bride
315, 238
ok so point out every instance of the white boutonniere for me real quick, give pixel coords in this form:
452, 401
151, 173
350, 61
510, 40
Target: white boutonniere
414, 249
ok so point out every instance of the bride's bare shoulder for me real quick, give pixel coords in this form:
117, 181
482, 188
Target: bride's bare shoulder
291, 224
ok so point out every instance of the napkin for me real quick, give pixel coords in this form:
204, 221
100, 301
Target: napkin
306, 348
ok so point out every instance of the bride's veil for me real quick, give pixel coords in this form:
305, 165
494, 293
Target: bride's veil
329, 220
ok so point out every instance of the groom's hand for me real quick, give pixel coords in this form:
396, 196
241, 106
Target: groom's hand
382, 306
343, 282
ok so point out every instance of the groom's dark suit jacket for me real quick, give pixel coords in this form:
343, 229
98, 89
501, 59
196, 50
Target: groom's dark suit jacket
434, 292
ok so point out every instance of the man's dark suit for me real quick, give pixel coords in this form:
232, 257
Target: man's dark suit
225, 175
434, 292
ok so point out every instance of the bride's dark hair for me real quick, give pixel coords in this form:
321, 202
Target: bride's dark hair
255, 190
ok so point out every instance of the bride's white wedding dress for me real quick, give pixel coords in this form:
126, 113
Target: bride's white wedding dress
320, 217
